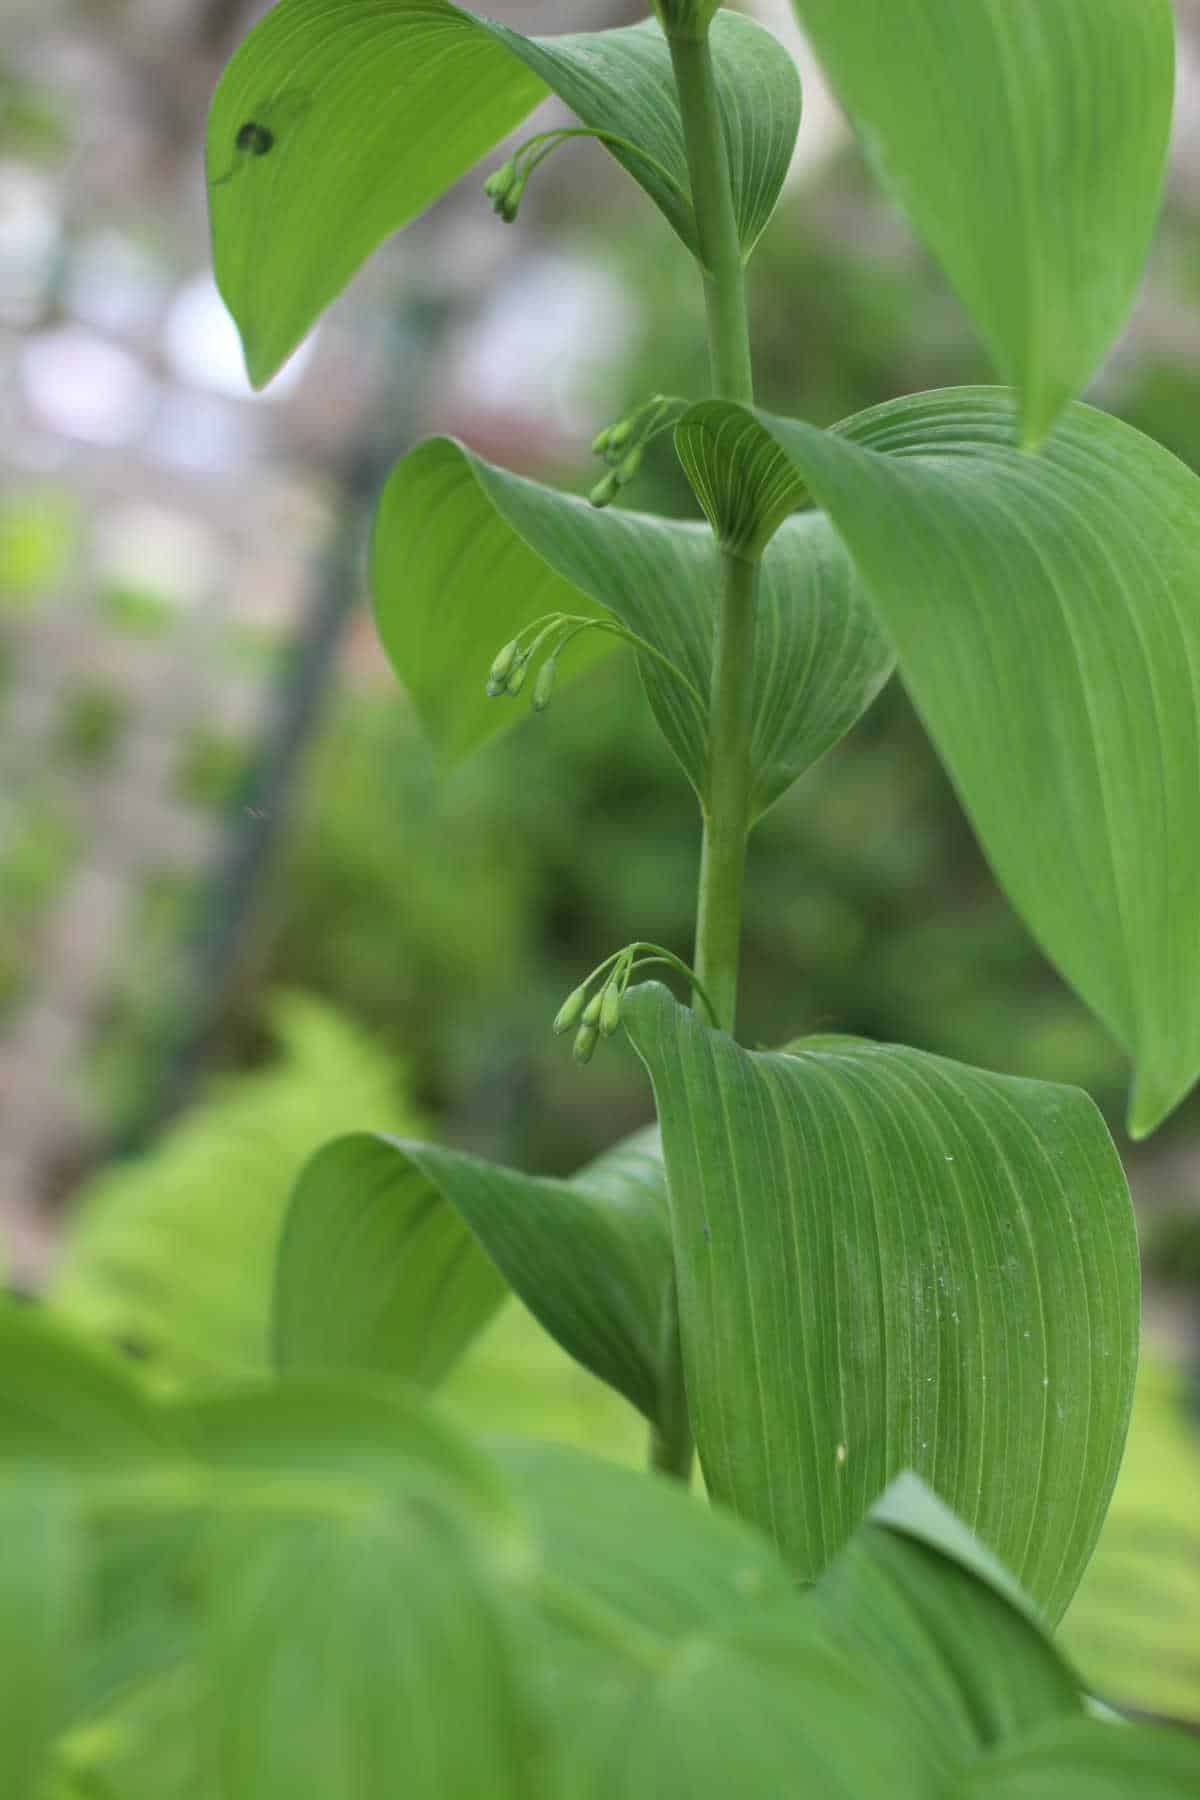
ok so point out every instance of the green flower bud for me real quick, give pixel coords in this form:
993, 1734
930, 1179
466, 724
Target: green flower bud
500, 670
620, 435
544, 686
610, 1010
569, 1012
509, 204
606, 490
497, 184
516, 679
591, 1012
601, 440
585, 1043
625, 471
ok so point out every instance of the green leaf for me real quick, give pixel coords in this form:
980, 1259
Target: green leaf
375, 1270
683, 1661
885, 1261
350, 1439
355, 1584
339, 121
169, 1255
758, 1711
1087, 1760
1027, 141
622, 82
1046, 617
915, 1597
644, 1545
382, 1263
465, 554
69, 1407
40, 1591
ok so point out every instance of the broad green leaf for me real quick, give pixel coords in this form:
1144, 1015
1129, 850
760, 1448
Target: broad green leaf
356, 1583
355, 1655
759, 1711
144, 1746
394, 1253
885, 1261
916, 1598
168, 1255
465, 554
1046, 616
375, 1270
41, 1568
74, 1414
1087, 1760
684, 1662
1027, 141
339, 121
359, 1438
644, 1545
69, 1406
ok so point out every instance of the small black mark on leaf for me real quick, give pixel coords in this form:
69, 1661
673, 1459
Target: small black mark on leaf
255, 138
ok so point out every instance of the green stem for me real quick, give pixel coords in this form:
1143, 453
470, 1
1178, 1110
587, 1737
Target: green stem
727, 817
716, 223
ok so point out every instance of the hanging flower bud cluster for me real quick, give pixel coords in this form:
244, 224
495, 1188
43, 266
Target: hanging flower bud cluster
624, 444
550, 635
506, 185
593, 1010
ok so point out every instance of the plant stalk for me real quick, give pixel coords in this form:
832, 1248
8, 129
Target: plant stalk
727, 816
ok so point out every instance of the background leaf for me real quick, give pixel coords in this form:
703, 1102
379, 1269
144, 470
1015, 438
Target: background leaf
1086, 1760
374, 107
887, 1261
1027, 141
40, 1619
465, 553
1046, 615
169, 1255
382, 1263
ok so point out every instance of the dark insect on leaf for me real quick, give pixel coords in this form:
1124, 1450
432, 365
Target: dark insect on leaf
256, 138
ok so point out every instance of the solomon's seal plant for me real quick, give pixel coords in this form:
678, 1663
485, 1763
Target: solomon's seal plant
892, 1301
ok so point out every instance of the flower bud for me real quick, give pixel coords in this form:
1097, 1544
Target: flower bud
500, 670
606, 490
610, 1010
585, 1043
498, 183
620, 434
544, 685
569, 1012
508, 205
591, 1012
516, 679
626, 470
601, 441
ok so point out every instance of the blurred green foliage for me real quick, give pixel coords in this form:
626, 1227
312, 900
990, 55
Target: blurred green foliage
170, 1255
39, 536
